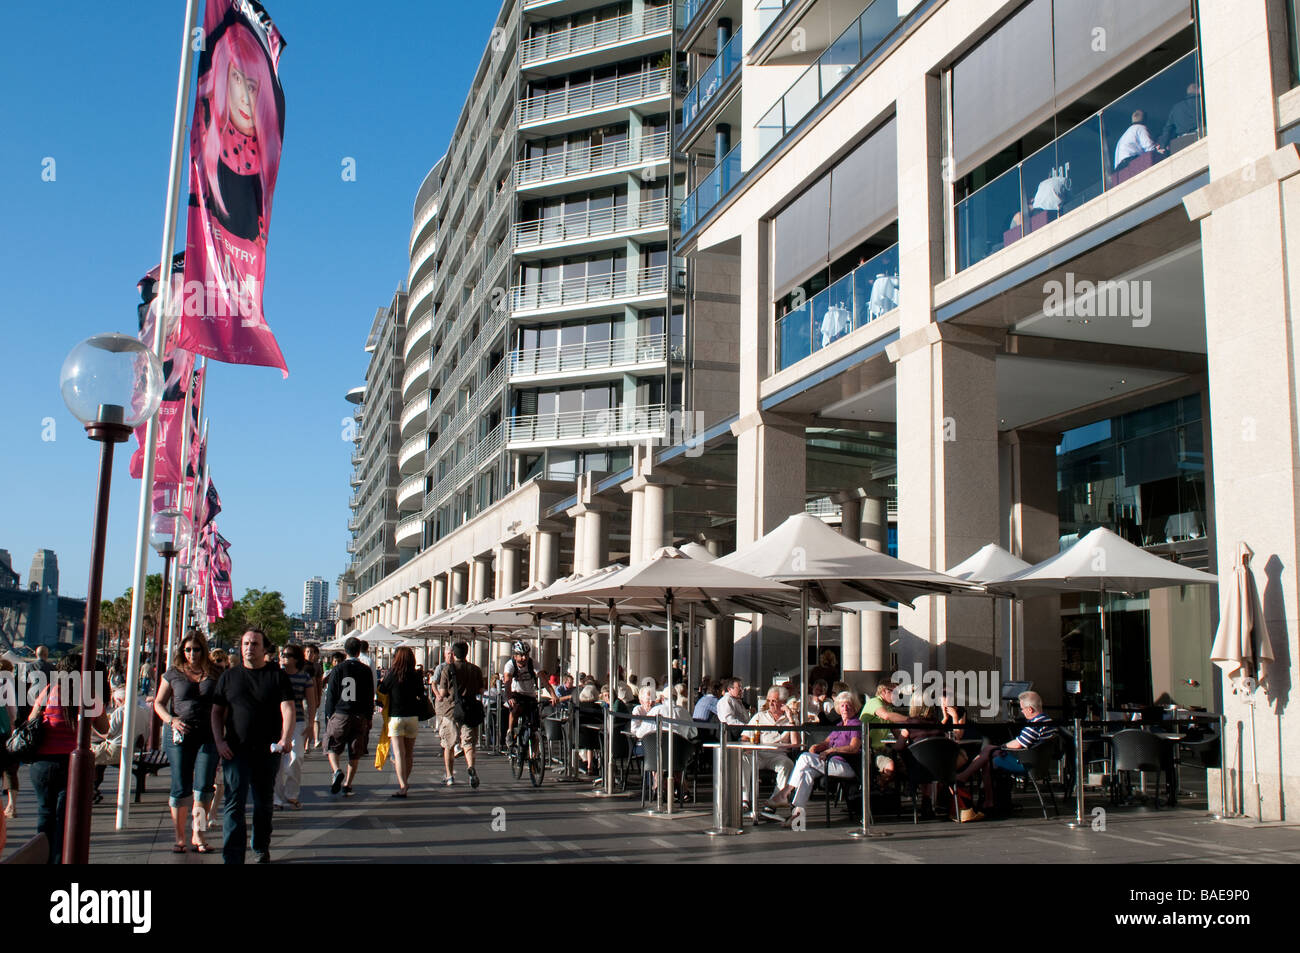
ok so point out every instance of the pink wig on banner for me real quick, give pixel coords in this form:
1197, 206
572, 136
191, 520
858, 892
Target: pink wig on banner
237, 46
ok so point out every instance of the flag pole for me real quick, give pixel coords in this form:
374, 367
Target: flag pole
200, 493
184, 82
174, 608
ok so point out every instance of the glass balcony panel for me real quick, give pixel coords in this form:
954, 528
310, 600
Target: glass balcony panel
876, 23
801, 98
989, 219
771, 128
794, 335
832, 313
840, 58
1170, 119
768, 11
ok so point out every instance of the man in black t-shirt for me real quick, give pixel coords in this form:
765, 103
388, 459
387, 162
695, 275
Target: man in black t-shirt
252, 722
349, 710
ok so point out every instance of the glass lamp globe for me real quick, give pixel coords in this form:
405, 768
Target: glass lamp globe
163, 527
111, 379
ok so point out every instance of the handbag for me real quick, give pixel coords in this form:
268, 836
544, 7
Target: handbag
426, 706
26, 738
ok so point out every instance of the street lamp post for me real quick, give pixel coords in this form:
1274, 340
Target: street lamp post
112, 383
164, 533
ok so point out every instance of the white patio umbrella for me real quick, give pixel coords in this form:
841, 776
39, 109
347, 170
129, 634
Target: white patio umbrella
380, 634
830, 569
986, 564
1102, 562
669, 578
1243, 650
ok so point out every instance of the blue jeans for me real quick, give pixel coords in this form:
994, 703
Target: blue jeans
247, 771
50, 782
193, 767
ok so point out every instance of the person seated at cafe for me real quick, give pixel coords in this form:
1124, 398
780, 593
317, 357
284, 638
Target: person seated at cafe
1184, 117
647, 697
1136, 141
879, 710
826, 669
776, 713
731, 706
706, 709
1037, 730
835, 757
821, 707
565, 689
590, 717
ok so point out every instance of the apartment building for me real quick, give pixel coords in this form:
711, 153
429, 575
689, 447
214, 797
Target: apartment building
958, 273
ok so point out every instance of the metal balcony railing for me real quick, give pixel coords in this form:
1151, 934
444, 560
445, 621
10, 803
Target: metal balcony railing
613, 424
473, 461
647, 349
426, 214
586, 160
727, 62
591, 96
409, 487
417, 332
590, 36
356, 479
411, 526
414, 409
569, 292
419, 366
411, 448
591, 224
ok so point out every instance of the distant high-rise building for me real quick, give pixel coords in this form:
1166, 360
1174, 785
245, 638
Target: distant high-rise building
315, 599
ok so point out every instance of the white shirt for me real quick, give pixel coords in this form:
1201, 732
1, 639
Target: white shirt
1050, 194
764, 717
1135, 141
884, 295
732, 711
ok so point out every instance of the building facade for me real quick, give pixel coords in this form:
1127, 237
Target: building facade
956, 273
315, 599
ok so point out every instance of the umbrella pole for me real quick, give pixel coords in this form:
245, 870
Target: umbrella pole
803, 651
609, 709
1105, 654
689, 675
668, 704
1254, 761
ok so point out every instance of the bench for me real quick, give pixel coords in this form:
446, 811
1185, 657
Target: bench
145, 763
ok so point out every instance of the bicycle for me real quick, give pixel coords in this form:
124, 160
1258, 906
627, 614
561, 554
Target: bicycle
527, 745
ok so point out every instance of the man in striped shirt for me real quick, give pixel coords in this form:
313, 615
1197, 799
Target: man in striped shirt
1037, 730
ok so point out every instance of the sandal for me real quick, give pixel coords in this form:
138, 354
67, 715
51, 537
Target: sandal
294, 805
179, 848
203, 848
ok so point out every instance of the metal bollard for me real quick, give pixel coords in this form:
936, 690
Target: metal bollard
865, 832
1077, 823
659, 751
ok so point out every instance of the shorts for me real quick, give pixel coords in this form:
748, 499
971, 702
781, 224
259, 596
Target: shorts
403, 726
347, 733
451, 734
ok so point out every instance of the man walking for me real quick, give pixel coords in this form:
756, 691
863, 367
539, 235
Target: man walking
458, 680
288, 781
349, 709
314, 667
252, 722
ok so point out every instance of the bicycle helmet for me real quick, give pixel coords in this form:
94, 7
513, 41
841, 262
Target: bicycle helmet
519, 648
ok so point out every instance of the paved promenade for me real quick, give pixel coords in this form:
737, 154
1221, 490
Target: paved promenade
562, 823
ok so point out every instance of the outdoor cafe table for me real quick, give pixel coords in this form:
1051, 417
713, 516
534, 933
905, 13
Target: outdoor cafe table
753, 769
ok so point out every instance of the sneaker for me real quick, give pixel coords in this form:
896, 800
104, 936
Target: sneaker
473, 778
449, 781
337, 783
261, 857
347, 790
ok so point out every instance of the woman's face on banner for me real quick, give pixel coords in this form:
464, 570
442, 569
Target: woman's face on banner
241, 93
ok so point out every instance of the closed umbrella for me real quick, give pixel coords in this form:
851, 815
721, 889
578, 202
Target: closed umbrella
830, 569
1243, 650
1102, 562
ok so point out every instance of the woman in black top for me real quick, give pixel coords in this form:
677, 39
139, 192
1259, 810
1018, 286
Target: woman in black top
184, 703
407, 696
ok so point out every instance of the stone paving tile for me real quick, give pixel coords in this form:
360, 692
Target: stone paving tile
568, 823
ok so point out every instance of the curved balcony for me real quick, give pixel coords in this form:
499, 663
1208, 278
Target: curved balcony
413, 415
594, 97
422, 260
410, 493
417, 374
585, 226
616, 426
568, 294
411, 454
587, 161
423, 217
409, 530
573, 359
419, 296
356, 478
417, 334
483, 452
594, 36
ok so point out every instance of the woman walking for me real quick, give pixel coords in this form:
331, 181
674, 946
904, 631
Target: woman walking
184, 704
58, 740
407, 698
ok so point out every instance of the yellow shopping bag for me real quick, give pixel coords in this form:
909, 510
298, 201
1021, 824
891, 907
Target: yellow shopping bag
381, 749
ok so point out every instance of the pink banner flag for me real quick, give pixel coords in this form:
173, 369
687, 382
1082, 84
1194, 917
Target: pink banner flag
234, 159
167, 455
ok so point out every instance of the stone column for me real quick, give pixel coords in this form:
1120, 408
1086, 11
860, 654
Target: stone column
481, 575
439, 593
851, 622
544, 557
456, 582
422, 600
1252, 294
715, 647
874, 534
945, 391
403, 607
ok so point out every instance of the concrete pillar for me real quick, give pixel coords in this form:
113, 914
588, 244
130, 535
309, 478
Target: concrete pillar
636, 537
945, 391
874, 626
579, 539
1250, 268
439, 593
422, 600
481, 576
544, 558
403, 607
508, 558
652, 519
456, 583
595, 544
851, 622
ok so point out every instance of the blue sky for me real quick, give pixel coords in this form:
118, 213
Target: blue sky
91, 85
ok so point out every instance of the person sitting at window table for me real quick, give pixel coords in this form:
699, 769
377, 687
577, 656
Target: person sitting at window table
1033, 733
1184, 118
775, 714
706, 709
590, 719
1136, 141
731, 706
835, 757
821, 708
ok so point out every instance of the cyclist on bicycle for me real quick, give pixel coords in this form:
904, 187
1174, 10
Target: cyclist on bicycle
520, 679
